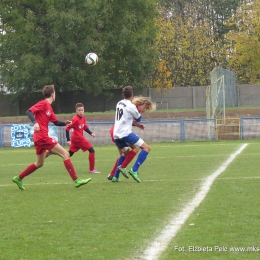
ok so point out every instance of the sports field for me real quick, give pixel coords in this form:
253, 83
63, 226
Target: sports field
197, 200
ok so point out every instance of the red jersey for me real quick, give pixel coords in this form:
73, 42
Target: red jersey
78, 125
111, 131
44, 114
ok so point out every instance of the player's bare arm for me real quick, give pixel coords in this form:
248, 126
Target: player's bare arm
139, 125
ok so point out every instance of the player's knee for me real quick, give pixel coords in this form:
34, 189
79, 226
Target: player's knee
91, 150
125, 150
146, 147
136, 149
39, 165
66, 155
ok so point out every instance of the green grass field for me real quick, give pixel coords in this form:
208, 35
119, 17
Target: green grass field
103, 220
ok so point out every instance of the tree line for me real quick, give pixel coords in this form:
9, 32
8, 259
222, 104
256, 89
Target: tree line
141, 43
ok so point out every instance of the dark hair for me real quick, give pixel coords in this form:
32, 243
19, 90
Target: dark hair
127, 92
48, 90
79, 105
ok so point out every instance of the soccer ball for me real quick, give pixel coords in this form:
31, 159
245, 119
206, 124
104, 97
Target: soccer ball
91, 59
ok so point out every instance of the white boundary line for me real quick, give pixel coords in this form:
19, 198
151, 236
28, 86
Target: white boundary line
107, 182
160, 243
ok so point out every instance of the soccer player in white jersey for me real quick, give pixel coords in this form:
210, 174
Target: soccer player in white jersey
126, 111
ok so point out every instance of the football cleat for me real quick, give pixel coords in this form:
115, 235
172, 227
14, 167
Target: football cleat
134, 175
79, 182
19, 183
110, 177
123, 171
115, 179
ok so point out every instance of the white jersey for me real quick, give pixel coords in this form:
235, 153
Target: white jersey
125, 112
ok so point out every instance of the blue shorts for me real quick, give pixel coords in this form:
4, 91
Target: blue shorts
125, 141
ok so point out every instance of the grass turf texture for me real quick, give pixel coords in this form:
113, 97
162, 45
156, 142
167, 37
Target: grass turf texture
103, 220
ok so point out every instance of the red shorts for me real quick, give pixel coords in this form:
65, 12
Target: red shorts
82, 144
43, 144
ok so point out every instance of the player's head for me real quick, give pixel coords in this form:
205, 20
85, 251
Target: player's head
128, 92
49, 91
79, 109
143, 103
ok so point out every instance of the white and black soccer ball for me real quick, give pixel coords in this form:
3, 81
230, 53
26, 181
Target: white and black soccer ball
91, 59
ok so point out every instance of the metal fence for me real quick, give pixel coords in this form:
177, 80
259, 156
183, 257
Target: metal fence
155, 131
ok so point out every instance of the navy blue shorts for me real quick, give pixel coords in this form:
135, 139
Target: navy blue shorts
125, 141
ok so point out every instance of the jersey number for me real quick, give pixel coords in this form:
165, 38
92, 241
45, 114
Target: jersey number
119, 113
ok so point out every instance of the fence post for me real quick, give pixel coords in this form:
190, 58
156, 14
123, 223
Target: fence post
1, 136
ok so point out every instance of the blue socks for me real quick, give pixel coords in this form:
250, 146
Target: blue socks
120, 161
140, 159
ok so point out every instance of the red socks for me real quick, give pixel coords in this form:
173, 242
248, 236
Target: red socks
91, 159
112, 173
128, 159
70, 168
31, 168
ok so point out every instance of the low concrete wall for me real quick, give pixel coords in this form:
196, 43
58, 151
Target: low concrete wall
193, 97
179, 97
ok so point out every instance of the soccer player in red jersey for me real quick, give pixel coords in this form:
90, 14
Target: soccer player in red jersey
41, 114
77, 140
113, 171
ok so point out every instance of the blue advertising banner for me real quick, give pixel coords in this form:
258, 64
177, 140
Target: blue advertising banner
22, 134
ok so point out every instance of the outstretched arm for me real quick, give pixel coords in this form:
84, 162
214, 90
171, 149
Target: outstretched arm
61, 123
89, 132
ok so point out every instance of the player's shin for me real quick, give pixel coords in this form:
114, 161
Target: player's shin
91, 159
120, 161
128, 159
112, 173
140, 159
29, 169
70, 168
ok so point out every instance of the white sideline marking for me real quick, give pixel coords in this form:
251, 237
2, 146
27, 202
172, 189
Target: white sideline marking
161, 180
160, 243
